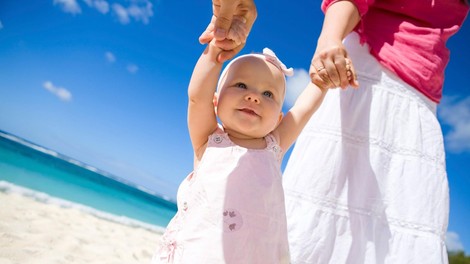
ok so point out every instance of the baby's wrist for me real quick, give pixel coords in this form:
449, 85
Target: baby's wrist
214, 51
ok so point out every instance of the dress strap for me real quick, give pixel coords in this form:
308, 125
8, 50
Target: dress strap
272, 145
219, 137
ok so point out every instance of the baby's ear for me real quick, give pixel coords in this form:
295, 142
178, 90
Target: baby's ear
215, 99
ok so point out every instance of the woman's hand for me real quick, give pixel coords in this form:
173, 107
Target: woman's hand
331, 67
233, 42
223, 26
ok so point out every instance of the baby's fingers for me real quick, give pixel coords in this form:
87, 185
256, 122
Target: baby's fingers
351, 74
228, 54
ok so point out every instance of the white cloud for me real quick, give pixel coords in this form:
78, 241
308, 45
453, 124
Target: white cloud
132, 68
295, 85
62, 93
453, 242
456, 114
69, 6
101, 5
110, 57
121, 13
139, 10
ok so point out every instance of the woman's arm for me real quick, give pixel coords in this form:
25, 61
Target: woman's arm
341, 18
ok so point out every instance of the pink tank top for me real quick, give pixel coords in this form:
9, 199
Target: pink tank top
409, 37
230, 209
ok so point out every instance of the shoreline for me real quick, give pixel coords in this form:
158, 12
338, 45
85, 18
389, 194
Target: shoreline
43, 229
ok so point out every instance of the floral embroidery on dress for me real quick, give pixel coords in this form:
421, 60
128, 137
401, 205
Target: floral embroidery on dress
168, 246
233, 220
218, 139
274, 147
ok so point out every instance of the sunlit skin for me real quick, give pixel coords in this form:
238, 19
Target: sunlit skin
249, 102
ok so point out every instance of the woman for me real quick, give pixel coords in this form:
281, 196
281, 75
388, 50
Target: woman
366, 181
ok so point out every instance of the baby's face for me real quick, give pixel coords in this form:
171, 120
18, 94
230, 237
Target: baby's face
250, 98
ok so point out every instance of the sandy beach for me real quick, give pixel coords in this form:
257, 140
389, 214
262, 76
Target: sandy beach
32, 231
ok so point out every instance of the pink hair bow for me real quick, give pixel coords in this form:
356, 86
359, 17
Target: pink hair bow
272, 58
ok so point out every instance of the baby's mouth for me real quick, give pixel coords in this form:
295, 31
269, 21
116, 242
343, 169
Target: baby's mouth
248, 111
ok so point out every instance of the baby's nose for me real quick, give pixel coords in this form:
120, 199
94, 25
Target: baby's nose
252, 97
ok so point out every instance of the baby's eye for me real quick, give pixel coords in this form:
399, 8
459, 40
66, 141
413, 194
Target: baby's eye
268, 94
241, 85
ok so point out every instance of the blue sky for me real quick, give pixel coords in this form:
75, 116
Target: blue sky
104, 82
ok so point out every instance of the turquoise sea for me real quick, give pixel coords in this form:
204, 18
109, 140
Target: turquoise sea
39, 172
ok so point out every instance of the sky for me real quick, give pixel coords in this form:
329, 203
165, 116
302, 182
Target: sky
105, 82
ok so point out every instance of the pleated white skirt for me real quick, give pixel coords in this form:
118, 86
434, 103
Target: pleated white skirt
366, 180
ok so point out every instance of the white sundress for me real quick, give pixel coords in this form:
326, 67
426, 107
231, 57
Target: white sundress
230, 210
366, 180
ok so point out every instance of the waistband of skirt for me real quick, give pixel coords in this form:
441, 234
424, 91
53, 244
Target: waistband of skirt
369, 69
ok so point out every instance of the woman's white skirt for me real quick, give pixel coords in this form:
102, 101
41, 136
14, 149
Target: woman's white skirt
366, 181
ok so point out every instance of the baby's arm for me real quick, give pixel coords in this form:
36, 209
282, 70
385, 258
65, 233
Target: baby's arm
202, 120
297, 117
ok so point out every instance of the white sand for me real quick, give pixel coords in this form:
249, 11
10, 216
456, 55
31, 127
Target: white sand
41, 233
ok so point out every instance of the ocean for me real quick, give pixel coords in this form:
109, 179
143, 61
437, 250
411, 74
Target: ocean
51, 177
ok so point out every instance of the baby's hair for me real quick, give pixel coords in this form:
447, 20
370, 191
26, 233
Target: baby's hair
267, 55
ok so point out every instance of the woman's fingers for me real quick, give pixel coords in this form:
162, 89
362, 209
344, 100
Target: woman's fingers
332, 72
208, 34
238, 32
319, 76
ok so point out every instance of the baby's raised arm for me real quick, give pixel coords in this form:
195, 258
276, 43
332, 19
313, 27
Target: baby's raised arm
297, 117
202, 120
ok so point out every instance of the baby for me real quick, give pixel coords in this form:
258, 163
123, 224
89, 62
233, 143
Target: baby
231, 207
